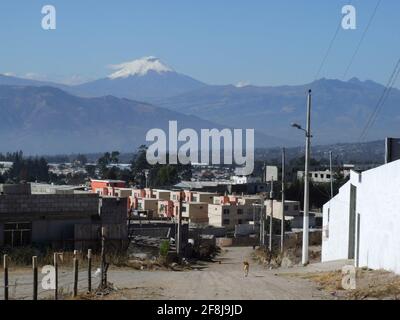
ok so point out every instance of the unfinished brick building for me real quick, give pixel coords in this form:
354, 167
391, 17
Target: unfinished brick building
58, 220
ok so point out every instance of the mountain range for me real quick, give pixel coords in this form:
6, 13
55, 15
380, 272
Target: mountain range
47, 120
116, 112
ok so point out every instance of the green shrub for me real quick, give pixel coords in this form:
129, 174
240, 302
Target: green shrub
164, 248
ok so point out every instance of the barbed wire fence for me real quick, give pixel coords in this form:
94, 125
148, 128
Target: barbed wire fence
21, 284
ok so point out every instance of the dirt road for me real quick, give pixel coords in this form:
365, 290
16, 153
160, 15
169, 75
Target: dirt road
215, 281
211, 281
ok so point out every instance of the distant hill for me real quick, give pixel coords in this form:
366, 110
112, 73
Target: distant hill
47, 120
348, 153
6, 80
339, 110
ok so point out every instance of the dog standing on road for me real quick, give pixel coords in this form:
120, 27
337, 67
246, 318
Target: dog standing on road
246, 268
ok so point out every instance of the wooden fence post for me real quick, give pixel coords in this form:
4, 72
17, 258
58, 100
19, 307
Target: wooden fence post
89, 256
35, 278
55, 276
76, 270
5, 264
103, 260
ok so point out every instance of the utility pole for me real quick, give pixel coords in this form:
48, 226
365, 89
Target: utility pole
330, 165
264, 179
306, 219
254, 218
262, 222
283, 199
271, 218
178, 236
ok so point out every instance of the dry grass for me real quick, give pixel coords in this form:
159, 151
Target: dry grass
22, 257
328, 281
138, 293
376, 285
146, 265
290, 258
371, 284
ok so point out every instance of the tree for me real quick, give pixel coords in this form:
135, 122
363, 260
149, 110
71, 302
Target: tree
91, 171
114, 157
103, 163
28, 169
81, 158
167, 175
138, 166
300, 162
159, 174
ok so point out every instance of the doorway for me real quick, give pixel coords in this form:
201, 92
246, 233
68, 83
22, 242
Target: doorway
352, 222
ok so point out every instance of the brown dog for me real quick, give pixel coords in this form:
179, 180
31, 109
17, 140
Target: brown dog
246, 268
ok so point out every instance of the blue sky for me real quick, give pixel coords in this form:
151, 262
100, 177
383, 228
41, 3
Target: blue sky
217, 41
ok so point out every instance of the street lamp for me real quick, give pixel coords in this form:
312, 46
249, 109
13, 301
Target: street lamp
295, 125
306, 218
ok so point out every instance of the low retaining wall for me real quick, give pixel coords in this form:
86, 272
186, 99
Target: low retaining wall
237, 242
291, 240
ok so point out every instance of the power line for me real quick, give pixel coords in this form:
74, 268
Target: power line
382, 99
362, 39
327, 52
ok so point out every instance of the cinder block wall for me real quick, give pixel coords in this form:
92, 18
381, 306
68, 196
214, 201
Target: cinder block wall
114, 211
21, 207
52, 216
16, 189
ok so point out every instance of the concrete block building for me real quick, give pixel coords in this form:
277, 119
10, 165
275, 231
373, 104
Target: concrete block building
50, 219
195, 212
203, 197
166, 208
148, 204
228, 216
316, 176
292, 208
106, 187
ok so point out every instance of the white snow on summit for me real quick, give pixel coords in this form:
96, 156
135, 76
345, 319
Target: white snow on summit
242, 84
138, 67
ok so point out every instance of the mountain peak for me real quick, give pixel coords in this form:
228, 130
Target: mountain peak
354, 80
139, 67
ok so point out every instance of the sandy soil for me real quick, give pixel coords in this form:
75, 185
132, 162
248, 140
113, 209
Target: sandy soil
223, 280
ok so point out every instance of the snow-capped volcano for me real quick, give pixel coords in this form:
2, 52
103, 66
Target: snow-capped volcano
139, 67
146, 79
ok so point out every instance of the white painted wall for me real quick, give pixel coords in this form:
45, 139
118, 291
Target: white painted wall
336, 229
378, 203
